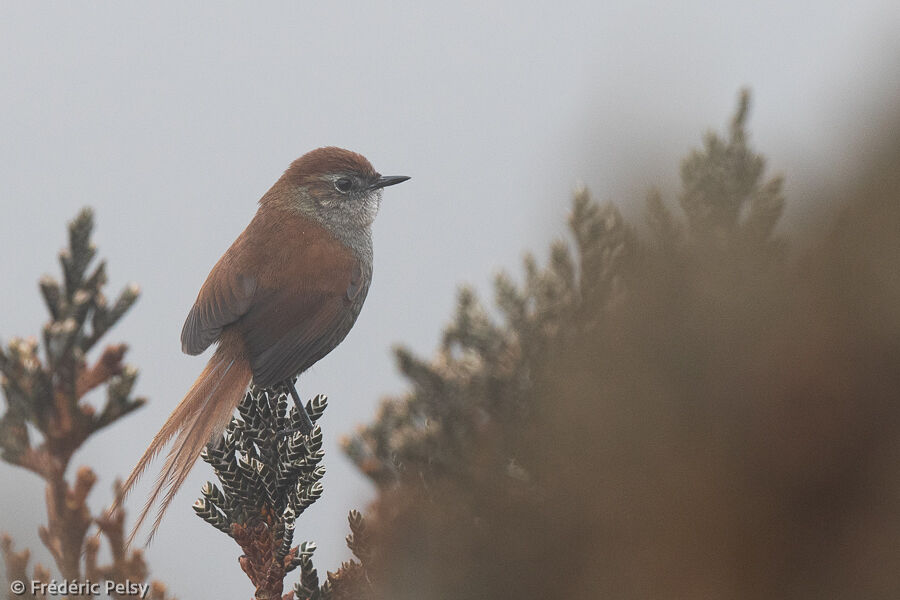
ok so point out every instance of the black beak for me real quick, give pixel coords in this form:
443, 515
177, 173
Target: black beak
385, 180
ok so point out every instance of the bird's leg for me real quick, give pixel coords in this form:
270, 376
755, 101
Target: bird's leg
306, 424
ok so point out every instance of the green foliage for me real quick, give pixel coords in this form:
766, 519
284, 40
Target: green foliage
270, 474
674, 416
47, 393
264, 466
485, 369
725, 198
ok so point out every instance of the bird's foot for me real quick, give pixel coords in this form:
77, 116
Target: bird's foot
306, 424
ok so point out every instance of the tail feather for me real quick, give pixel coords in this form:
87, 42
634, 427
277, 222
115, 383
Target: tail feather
189, 444
202, 414
163, 480
178, 466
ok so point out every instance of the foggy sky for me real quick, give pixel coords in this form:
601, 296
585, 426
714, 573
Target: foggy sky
172, 120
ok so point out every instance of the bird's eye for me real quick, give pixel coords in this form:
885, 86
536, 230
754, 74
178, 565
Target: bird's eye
343, 185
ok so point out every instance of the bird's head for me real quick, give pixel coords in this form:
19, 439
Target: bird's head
338, 188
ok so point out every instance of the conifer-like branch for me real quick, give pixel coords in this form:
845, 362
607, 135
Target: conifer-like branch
47, 394
269, 474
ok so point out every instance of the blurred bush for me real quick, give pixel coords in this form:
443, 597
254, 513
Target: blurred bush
702, 411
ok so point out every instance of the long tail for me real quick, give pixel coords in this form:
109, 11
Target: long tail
201, 415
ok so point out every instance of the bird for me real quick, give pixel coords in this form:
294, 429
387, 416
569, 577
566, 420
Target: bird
284, 295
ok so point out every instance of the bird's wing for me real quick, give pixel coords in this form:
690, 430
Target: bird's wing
224, 298
288, 329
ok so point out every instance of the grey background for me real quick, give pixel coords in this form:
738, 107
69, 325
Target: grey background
172, 119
